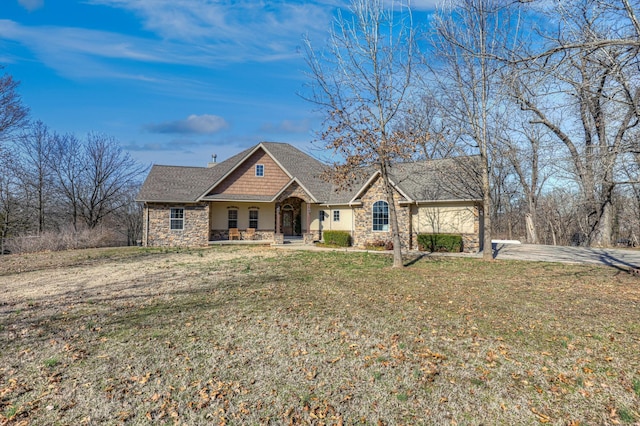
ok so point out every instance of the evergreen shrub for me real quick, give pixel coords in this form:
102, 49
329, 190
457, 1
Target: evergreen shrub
440, 243
337, 238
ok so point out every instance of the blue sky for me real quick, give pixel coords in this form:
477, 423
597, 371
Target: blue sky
173, 80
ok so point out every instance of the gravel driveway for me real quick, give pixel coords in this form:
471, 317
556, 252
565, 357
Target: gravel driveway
619, 258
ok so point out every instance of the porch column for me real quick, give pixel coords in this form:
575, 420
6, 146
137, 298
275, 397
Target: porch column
277, 218
308, 218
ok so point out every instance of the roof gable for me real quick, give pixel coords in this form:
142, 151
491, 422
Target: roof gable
372, 179
242, 179
421, 181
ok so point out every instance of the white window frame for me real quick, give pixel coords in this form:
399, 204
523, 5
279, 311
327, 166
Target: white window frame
229, 219
256, 220
259, 170
321, 215
384, 227
336, 215
176, 218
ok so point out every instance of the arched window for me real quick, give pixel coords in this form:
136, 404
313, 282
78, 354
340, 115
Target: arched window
380, 212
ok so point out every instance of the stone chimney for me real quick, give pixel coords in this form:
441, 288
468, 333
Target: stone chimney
213, 161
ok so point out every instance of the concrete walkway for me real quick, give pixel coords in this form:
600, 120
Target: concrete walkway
619, 258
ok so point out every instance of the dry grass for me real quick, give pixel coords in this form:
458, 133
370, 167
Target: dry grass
258, 336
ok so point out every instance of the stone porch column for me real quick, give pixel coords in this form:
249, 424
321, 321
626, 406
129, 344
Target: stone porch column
308, 218
277, 218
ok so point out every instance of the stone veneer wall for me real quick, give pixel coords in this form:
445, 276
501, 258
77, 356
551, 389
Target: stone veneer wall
363, 218
471, 242
196, 225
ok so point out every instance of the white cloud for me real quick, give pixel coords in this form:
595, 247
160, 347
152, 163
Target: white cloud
187, 32
31, 5
205, 124
253, 30
78, 52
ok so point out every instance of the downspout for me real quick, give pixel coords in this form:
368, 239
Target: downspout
146, 224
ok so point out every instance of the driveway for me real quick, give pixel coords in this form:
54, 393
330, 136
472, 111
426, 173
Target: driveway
619, 258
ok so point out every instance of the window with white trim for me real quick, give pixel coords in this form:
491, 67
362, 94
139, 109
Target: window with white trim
336, 215
177, 219
232, 218
321, 215
253, 219
380, 213
259, 170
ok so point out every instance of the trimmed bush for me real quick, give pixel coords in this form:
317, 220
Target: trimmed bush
337, 238
440, 243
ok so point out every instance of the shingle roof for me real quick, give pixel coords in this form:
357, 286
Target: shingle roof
184, 184
439, 180
433, 180
302, 166
174, 183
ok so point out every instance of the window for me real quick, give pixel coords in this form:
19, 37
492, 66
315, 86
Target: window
260, 170
336, 215
233, 218
253, 219
177, 219
381, 216
321, 215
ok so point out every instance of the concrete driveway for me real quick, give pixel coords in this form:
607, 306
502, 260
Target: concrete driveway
619, 258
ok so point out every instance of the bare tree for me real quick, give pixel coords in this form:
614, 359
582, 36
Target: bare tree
94, 177
469, 37
13, 114
130, 216
585, 92
34, 147
361, 84
525, 148
68, 165
106, 177
10, 217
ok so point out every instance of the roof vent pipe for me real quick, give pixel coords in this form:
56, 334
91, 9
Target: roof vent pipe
213, 161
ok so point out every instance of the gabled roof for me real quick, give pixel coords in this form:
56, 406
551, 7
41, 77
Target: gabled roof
446, 179
182, 184
192, 184
175, 183
421, 181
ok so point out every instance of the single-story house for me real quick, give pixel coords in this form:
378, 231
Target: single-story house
273, 192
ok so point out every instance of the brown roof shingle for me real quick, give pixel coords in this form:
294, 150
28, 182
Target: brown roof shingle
433, 180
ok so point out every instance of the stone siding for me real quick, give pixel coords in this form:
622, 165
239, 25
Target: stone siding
159, 232
363, 232
311, 237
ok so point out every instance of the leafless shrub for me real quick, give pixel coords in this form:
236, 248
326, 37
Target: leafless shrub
66, 239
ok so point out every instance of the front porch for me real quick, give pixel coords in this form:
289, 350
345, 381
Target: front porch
288, 220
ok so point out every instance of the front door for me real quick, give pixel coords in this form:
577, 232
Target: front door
287, 222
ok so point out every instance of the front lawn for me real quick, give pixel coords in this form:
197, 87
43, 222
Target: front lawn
254, 335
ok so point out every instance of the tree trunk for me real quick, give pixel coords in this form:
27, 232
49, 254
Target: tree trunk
601, 235
393, 219
532, 235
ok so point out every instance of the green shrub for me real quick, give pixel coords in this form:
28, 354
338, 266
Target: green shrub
440, 242
338, 238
